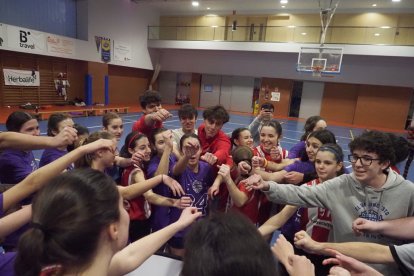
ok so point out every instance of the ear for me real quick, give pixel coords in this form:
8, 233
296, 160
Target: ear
113, 231
339, 166
98, 153
131, 151
104, 129
385, 165
236, 142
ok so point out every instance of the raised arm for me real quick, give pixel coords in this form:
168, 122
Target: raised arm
398, 228
42, 176
163, 166
15, 140
15, 220
277, 221
239, 198
137, 252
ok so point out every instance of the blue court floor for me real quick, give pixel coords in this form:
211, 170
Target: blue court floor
292, 131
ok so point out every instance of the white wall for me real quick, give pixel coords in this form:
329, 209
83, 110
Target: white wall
210, 98
376, 70
121, 20
311, 101
167, 85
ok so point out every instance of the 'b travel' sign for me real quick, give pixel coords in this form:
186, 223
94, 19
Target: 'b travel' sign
25, 39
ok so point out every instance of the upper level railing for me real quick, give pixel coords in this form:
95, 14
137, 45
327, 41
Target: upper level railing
383, 35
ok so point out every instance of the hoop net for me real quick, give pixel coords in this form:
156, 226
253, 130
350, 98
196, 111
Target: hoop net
317, 71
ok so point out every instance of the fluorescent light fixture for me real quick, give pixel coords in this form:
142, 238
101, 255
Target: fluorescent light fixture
208, 8
374, 5
303, 33
283, 7
376, 34
211, 15
195, 3
396, 0
385, 27
283, 1
291, 26
214, 26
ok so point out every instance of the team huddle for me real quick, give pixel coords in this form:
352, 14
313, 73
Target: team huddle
203, 196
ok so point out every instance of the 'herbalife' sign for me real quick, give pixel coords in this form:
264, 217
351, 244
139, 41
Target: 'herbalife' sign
21, 77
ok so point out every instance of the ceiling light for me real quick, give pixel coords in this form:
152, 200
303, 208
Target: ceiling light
283, 7
214, 26
211, 15
374, 5
208, 8
385, 27
396, 0
283, 1
303, 33
376, 34
291, 26
195, 3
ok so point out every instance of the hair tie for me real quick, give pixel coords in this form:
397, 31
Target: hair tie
332, 150
36, 225
132, 139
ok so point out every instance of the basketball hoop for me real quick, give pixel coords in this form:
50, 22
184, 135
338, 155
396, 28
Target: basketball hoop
317, 71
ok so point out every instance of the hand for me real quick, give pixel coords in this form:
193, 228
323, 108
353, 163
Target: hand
137, 159
338, 271
209, 158
244, 168
300, 266
255, 182
168, 138
282, 249
213, 190
305, 242
190, 149
258, 161
183, 202
355, 267
361, 226
161, 115
275, 154
224, 171
265, 115
99, 144
66, 137
188, 216
294, 177
174, 186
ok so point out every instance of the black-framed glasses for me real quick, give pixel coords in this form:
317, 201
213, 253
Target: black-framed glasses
365, 160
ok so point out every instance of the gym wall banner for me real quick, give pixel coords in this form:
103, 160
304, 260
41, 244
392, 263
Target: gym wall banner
106, 49
21, 77
26, 39
60, 45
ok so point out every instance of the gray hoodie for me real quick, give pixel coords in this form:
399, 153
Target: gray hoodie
347, 199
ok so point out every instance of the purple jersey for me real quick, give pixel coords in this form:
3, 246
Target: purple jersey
160, 214
15, 165
297, 150
300, 166
7, 259
195, 186
50, 155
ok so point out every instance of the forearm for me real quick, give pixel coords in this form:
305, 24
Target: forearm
122, 162
274, 176
398, 228
362, 251
39, 178
14, 221
15, 140
277, 221
137, 252
181, 165
137, 189
164, 162
274, 167
239, 198
159, 200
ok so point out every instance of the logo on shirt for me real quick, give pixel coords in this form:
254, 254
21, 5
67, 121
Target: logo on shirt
197, 186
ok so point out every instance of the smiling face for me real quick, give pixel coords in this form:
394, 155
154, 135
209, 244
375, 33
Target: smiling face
312, 146
188, 124
268, 138
160, 143
368, 174
245, 139
326, 165
115, 127
142, 146
152, 107
31, 127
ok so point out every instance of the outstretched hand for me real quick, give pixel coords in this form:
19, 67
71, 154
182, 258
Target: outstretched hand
360, 226
66, 137
352, 265
174, 186
188, 216
209, 158
305, 242
255, 182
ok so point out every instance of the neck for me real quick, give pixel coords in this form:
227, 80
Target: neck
98, 166
378, 182
188, 131
99, 265
194, 168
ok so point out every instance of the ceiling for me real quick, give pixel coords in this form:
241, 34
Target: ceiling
226, 7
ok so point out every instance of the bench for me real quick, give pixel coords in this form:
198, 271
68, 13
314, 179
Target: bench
85, 111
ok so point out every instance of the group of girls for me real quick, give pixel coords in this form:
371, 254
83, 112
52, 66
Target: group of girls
145, 162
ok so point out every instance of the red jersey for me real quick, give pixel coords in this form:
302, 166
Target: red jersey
139, 209
141, 127
259, 151
317, 221
251, 208
218, 145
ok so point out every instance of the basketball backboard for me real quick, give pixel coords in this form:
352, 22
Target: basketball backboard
323, 59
